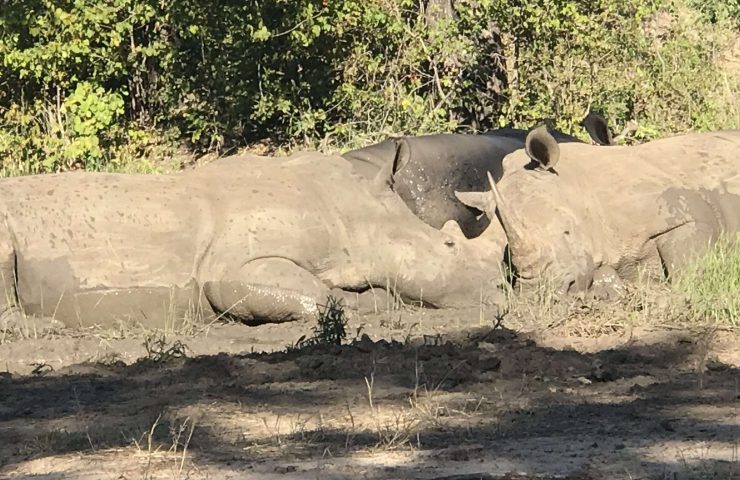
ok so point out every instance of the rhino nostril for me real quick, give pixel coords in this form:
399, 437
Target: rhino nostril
450, 243
567, 286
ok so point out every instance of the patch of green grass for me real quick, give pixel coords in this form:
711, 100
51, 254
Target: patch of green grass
711, 283
330, 328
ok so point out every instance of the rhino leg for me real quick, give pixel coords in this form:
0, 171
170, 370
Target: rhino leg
267, 290
11, 314
8, 295
679, 246
371, 301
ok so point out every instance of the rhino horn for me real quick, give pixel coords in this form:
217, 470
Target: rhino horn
542, 148
508, 217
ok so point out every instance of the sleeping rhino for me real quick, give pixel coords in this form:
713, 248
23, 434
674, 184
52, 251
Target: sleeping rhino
615, 211
428, 169
253, 239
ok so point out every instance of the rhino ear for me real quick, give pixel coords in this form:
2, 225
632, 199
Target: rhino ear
481, 201
384, 177
403, 154
598, 129
542, 147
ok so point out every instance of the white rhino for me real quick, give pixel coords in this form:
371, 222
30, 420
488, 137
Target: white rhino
430, 168
615, 210
254, 239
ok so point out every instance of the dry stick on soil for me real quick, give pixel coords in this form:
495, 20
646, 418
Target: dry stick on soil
350, 436
705, 344
276, 433
185, 445
150, 446
388, 435
370, 385
372, 290
79, 412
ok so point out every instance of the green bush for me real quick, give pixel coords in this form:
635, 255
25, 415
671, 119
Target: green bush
92, 84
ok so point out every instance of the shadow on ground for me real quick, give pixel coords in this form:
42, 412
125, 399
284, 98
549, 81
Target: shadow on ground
488, 403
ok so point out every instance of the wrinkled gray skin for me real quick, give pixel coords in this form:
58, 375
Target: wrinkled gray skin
651, 207
429, 169
256, 239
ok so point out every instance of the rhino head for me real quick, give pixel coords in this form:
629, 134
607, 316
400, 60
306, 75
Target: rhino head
545, 215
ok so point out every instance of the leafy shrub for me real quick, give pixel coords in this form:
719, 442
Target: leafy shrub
82, 79
718, 11
330, 328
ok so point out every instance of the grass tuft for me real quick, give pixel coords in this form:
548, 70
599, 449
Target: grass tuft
158, 350
330, 328
711, 283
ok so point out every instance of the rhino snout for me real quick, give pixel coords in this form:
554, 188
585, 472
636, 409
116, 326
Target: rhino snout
573, 282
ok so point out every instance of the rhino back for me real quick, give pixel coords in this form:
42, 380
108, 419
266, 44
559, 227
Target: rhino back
521, 135
692, 178
80, 231
693, 161
312, 209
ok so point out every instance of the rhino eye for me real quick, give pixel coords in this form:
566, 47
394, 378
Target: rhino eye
567, 232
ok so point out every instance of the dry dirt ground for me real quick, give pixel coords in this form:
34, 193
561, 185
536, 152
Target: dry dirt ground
425, 395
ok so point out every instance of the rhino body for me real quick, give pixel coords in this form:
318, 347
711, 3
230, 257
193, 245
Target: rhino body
649, 207
430, 168
251, 238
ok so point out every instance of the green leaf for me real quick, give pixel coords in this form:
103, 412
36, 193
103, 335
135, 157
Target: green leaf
261, 34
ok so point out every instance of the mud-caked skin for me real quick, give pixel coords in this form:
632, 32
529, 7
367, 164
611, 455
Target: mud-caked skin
573, 210
252, 238
429, 169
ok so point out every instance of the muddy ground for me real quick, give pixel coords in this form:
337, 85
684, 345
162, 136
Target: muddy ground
423, 395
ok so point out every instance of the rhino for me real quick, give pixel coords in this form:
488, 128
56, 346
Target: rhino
428, 169
247, 238
615, 212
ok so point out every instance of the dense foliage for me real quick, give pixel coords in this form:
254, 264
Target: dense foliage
95, 84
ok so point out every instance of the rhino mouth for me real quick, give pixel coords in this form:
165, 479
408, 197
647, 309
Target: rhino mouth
531, 275
565, 282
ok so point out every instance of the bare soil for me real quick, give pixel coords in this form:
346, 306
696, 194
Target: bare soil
418, 394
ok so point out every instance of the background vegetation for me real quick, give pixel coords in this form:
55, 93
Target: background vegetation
119, 84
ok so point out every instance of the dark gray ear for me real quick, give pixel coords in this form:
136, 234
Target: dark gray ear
598, 129
393, 165
542, 147
403, 155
